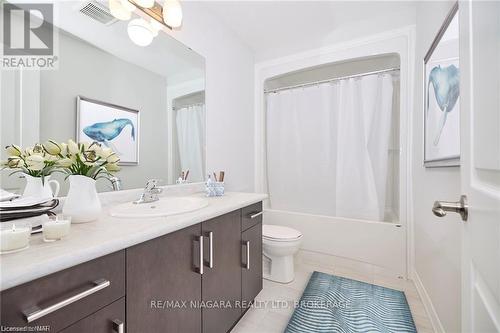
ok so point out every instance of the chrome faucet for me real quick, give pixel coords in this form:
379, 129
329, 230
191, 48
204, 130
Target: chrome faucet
151, 192
116, 183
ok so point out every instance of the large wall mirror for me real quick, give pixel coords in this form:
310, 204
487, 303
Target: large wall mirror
146, 103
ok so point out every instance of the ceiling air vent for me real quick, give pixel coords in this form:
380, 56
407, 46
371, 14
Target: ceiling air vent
97, 11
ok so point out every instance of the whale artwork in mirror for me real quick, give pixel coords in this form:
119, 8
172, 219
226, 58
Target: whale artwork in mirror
146, 104
442, 97
113, 126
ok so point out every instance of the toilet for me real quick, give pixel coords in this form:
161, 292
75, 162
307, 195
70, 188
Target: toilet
279, 246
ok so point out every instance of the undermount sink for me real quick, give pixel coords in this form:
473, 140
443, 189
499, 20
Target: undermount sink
164, 207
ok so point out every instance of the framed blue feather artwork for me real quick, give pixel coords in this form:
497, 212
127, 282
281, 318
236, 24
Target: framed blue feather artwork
442, 96
113, 126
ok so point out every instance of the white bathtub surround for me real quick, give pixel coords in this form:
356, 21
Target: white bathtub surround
378, 243
106, 235
82, 202
334, 140
383, 244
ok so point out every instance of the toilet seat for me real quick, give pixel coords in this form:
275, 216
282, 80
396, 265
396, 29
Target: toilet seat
280, 234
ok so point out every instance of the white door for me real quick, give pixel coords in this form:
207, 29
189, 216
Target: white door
480, 170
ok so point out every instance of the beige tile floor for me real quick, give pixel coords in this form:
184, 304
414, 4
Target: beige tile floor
275, 302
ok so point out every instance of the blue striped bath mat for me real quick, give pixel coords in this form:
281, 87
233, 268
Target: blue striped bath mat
336, 304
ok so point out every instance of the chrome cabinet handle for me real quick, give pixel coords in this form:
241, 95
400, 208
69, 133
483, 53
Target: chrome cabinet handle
461, 207
255, 215
200, 263
37, 313
210, 262
247, 245
118, 326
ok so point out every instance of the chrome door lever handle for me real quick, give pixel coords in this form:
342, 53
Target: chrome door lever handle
461, 207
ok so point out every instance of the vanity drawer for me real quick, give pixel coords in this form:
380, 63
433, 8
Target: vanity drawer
110, 319
65, 297
251, 215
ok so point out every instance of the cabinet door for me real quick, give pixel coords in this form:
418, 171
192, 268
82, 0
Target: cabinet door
110, 319
251, 276
222, 281
162, 281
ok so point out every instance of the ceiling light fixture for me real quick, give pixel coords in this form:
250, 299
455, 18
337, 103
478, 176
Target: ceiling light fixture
121, 9
141, 32
172, 13
145, 3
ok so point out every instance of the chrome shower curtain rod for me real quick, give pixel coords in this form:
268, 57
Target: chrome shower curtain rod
175, 108
331, 80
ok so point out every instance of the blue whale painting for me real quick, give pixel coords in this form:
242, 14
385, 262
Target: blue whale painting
446, 84
107, 131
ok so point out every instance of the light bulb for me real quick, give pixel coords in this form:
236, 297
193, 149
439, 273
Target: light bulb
155, 27
145, 3
172, 13
141, 32
119, 10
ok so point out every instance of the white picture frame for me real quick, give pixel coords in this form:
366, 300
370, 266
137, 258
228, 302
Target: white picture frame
113, 126
442, 96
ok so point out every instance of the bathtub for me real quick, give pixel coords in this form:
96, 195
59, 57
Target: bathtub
381, 244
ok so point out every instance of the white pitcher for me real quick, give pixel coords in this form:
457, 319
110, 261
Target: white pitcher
35, 188
82, 202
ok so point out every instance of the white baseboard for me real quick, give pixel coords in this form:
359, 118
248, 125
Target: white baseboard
426, 300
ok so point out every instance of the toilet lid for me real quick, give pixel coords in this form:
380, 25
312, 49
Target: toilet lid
279, 232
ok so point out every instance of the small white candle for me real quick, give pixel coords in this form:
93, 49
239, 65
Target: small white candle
14, 238
56, 229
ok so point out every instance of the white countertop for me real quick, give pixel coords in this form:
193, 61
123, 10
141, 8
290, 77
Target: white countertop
88, 241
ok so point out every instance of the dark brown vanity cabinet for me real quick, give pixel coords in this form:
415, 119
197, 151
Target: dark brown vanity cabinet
164, 284
103, 321
221, 281
190, 281
62, 299
251, 275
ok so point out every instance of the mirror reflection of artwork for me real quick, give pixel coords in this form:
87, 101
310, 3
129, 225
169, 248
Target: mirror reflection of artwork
442, 96
99, 61
112, 126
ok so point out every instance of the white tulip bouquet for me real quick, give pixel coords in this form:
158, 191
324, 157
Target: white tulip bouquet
86, 159
34, 161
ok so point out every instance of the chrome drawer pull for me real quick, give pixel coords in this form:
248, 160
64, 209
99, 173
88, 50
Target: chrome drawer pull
247, 243
210, 262
37, 313
252, 216
118, 326
200, 268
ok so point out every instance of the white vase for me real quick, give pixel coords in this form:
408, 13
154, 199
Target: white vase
82, 202
35, 188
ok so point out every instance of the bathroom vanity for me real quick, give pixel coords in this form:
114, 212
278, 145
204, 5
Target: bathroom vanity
193, 272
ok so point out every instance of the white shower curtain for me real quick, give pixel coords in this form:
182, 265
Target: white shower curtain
327, 147
190, 123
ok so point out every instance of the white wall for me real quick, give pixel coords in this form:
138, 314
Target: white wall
437, 240
229, 94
